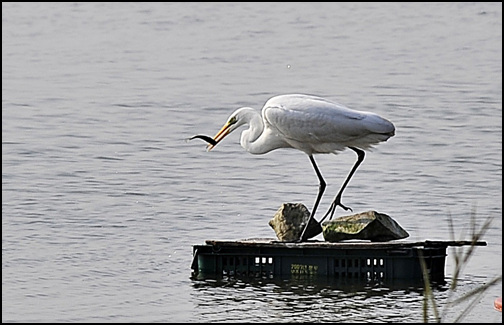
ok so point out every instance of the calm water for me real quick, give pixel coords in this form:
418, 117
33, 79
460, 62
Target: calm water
103, 199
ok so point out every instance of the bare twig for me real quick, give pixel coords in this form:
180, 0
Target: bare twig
428, 295
461, 259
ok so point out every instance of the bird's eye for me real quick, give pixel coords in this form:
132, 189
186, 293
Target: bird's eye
232, 120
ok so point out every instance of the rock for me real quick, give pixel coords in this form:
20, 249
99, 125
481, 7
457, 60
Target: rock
369, 225
290, 220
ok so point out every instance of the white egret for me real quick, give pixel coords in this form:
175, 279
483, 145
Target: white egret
313, 125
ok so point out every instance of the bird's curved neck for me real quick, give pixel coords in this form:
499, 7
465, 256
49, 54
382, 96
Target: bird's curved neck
250, 136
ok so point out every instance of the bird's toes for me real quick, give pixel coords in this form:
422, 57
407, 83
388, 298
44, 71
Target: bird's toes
344, 207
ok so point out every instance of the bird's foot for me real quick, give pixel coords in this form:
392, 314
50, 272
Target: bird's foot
344, 207
332, 208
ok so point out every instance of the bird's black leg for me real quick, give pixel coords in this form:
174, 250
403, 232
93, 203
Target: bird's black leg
337, 199
322, 186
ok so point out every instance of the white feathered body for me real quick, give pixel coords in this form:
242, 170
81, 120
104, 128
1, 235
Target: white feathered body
313, 125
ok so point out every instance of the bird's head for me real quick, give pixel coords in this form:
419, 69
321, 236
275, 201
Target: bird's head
234, 121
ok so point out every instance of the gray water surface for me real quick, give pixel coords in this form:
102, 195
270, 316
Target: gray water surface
103, 199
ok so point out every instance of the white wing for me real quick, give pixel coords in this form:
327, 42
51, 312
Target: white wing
314, 124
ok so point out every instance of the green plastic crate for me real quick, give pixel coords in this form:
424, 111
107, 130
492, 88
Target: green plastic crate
361, 261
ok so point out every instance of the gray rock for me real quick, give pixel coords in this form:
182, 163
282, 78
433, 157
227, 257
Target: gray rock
370, 225
290, 220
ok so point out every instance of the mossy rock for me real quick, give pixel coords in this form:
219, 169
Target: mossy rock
370, 225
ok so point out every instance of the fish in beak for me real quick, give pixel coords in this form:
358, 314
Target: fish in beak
219, 136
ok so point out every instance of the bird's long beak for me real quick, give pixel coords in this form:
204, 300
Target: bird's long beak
219, 136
